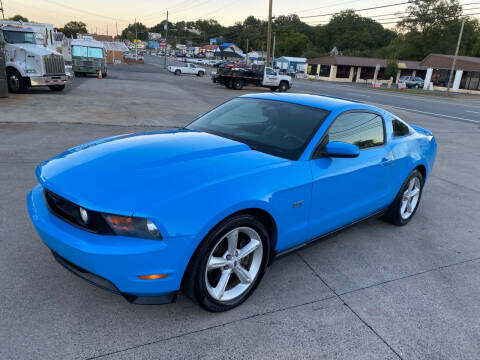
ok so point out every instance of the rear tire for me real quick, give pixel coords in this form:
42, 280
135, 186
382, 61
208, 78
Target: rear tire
204, 275
177, 72
201, 73
407, 200
57, 88
283, 86
238, 84
16, 82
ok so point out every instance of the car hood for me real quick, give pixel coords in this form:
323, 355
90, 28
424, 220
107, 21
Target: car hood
117, 174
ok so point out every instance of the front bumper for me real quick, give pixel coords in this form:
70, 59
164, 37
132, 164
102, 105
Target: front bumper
112, 262
49, 80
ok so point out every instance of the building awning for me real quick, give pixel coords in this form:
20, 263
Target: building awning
441, 61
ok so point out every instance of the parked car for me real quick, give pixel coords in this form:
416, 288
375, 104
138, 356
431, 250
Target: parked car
189, 68
412, 81
208, 207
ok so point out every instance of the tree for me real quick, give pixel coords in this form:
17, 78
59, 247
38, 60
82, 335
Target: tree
129, 32
391, 70
72, 28
294, 44
19, 18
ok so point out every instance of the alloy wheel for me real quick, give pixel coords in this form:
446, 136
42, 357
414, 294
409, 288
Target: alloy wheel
233, 264
410, 198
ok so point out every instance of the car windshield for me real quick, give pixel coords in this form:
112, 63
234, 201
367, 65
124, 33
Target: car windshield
19, 37
87, 51
273, 127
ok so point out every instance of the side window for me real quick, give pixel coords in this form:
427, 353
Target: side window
399, 128
271, 72
359, 128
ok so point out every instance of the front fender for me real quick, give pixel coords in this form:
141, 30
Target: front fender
14, 65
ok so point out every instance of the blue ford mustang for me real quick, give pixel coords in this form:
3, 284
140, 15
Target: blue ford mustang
206, 208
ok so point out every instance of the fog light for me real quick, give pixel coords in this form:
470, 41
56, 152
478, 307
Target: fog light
153, 276
84, 215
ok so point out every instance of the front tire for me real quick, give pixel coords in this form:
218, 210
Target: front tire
406, 203
201, 73
16, 82
283, 86
177, 72
229, 264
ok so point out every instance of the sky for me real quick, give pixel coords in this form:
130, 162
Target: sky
103, 16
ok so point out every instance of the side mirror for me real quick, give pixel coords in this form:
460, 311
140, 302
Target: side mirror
341, 149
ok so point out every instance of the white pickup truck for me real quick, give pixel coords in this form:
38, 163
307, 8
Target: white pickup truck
187, 69
30, 64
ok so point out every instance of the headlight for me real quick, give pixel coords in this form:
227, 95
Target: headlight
31, 71
133, 226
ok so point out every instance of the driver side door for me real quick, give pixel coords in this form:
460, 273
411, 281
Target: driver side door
270, 78
348, 189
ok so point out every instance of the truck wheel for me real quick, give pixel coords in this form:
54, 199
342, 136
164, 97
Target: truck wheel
56, 88
16, 82
201, 73
177, 72
238, 84
283, 86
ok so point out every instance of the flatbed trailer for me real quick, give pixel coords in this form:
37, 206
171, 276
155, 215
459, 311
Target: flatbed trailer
237, 78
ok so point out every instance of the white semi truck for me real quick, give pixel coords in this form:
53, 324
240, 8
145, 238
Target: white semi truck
30, 64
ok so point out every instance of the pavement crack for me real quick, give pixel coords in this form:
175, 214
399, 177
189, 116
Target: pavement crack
212, 327
350, 308
411, 275
456, 184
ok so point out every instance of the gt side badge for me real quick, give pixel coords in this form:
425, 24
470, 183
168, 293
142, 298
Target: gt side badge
297, 204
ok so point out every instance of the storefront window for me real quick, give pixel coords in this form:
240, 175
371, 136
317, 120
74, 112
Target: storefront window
381, 74
343, 72
470, 80
367, 73
312, 69
325, 70
440, 77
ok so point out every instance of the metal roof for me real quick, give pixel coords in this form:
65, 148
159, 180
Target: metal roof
87, 42
441, 61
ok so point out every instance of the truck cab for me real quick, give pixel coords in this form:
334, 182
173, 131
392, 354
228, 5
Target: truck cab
30, 64
88, 57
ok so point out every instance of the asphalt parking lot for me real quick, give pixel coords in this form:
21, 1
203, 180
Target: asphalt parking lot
373, 292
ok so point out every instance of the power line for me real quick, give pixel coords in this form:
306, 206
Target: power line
83, 11
356, 10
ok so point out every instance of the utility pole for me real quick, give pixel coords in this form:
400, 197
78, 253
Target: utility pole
273, 51
166, 43
116, 26
455, 56
1, 9
269, 32
136, 38
246, 58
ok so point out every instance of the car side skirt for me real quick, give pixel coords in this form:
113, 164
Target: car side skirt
330, 234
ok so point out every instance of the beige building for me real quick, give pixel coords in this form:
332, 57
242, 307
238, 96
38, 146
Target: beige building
358, 69
466, 73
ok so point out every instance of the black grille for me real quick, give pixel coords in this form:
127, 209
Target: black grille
70, 212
